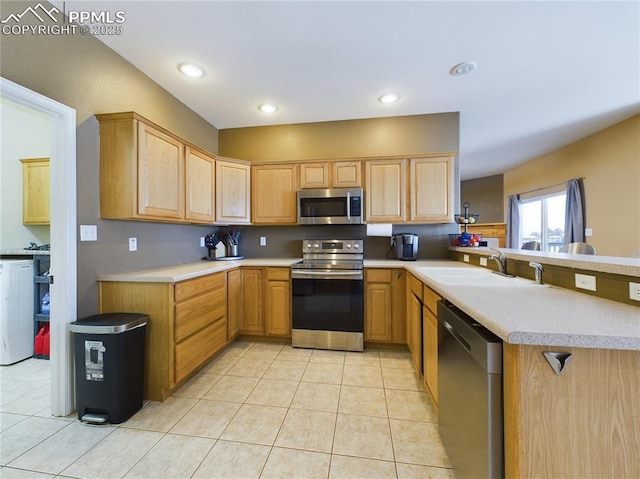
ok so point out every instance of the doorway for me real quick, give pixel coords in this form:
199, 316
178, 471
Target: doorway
63, 237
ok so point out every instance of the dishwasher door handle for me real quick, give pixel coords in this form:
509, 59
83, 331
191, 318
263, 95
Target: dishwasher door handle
455, 334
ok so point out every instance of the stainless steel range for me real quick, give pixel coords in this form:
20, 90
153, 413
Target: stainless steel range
328, 296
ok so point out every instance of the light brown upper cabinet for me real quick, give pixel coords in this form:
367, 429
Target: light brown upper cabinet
160, 174
333, 174
273, 193
148, 173
233, 190
35, 191
431, 186
200, 173
386, 186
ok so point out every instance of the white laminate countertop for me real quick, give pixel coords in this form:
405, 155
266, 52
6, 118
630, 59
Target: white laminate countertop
540, 315
603, 264
546, 315
181, 272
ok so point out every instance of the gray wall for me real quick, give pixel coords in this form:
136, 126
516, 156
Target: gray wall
286, 241
83, 73
486, 196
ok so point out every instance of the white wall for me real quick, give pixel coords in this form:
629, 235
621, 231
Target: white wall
24, 133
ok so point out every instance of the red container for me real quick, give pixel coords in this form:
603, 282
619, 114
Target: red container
39, 342
46, 343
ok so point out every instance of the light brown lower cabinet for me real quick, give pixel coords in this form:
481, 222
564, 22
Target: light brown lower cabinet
278, 302
384, 305
234, 303
414, 322
582, 423
186, 327
266, 301
252, 317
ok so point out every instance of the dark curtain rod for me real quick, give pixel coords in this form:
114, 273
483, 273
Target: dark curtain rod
550, 186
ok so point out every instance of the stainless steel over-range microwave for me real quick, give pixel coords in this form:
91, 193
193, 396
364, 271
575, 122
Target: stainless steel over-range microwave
330, 206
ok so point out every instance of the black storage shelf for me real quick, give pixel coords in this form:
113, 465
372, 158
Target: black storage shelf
41, 282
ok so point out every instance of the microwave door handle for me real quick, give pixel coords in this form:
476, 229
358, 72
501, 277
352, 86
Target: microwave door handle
348, 206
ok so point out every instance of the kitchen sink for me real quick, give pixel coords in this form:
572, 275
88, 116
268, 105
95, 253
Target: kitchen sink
468, 276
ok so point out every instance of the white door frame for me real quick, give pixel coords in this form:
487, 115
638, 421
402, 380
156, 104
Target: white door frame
64, 289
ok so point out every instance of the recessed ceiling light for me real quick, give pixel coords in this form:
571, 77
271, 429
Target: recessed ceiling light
268, 108
463, 68
389, 97
191, 70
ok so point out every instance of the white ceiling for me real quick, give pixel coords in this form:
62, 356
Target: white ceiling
548, 73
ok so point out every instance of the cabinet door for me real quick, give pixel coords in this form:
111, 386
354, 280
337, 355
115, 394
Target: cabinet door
160, 174
385, 190
234, 303
278, 302
200, 172
314, 175
432, 190
274, 194
252, 315
378, 315
347, 174
414, 328
430, 351
35, 191
233, 187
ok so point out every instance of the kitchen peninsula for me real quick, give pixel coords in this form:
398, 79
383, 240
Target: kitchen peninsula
550, 420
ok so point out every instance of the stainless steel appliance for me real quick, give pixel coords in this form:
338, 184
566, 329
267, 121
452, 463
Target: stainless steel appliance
330, 206
328, 296
406, 245
469, 395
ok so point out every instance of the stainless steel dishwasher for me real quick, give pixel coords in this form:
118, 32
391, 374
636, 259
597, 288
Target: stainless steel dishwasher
469, 395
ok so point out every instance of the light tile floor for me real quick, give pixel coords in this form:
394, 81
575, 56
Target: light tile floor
259, 410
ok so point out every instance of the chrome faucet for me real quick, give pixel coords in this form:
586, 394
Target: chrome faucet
538, 271
501, 259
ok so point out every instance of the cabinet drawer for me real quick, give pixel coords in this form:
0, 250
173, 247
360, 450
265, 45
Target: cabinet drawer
280, 274
416, 286
378, 275
430, 299
192, 287
196, 313
194, 351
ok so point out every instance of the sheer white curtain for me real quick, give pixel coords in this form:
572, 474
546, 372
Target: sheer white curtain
513, 222
574, 215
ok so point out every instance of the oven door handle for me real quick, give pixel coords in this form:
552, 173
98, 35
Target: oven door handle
325, 275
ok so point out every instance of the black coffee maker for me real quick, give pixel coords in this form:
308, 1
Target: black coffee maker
406, 246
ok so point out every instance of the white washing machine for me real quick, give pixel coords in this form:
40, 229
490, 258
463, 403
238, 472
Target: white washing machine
16, 310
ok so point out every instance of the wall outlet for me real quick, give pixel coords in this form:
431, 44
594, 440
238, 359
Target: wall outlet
585, 281
634, 291
88, 233
202, 241
466, 258
263, 241
133, 244
588, 232
483, 261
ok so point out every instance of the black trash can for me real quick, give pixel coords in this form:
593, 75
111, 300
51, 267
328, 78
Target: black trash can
109, 356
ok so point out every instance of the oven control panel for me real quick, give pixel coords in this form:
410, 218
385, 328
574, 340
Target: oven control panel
331, 246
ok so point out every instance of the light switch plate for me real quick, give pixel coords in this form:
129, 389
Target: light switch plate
634, 291
88, 233
585, 281
483, 261
466, 258
263, 241
133, 244
588, 232
202, 241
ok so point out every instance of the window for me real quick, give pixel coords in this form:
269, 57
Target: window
542, 220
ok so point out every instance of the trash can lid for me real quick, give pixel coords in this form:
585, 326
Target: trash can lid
109, 323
